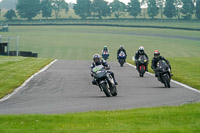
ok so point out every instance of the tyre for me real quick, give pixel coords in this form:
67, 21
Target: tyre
141, 75
114, 92
167, 81
105, 89
142, 71
121, 62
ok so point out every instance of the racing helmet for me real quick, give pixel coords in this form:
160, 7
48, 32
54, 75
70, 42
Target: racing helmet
141, 50
97, 58
121, 47
105, 47
156, 54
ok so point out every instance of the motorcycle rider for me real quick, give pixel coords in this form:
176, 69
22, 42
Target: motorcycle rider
97, 61
138, 54
155, 60
105, 49
121, 48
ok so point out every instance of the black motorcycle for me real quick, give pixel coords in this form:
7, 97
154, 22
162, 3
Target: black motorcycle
163, 73
104, 80
141, 65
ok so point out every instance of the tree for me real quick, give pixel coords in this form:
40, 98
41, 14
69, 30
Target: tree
152, 8
118, 8
83, 8
58, 5
170, 9
28, 8
144, 3
100, 8
198, 9
46, 8
160, 5
187, 9
178, 5
10, 14
134, 8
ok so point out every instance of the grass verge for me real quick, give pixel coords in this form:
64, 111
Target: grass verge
15, 70
185, 70
185, 118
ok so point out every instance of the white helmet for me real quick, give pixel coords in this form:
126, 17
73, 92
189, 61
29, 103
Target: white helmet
141, 48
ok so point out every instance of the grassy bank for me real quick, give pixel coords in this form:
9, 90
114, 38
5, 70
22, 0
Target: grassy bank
185, 70
15, 70
81, 42
185, 118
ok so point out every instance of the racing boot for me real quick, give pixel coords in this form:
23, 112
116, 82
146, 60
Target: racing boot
94, 82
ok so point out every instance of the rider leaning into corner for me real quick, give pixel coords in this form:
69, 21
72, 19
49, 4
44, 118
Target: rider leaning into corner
138, 54
155, 60
97, 61
121, 48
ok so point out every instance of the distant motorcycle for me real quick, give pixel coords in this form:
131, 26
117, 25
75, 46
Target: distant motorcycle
142, 63
121, 58
164, 74
105, 55
104, 81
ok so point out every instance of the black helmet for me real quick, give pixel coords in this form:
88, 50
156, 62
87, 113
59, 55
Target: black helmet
156, 53
96, 58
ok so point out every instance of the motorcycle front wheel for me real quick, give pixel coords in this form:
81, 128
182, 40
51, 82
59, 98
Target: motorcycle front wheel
106, 89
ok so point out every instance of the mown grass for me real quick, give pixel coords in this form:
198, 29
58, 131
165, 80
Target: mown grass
185, 70
178, 119
15, 70
81, 42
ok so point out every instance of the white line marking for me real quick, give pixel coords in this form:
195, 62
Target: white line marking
24, 84
174, 81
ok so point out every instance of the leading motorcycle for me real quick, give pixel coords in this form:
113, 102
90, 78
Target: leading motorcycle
104, 80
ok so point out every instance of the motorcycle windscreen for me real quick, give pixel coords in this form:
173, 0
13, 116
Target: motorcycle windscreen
97, 68
162, 65
100, 74
122, 55
142, 59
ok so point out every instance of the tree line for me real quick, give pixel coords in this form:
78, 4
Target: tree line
101, 8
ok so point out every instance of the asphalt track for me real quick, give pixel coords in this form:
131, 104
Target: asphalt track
66, 87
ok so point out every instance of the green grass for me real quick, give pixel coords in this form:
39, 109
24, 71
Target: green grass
185, 70
15, 70
81, 42
178, 119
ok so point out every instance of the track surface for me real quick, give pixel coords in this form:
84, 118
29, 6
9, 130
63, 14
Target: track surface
66, 87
